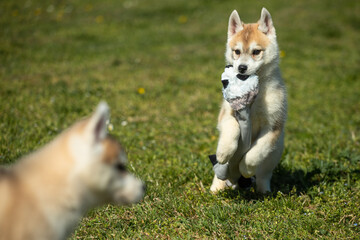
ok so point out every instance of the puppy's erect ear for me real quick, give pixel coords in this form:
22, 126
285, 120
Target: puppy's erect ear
96, 127
265, 23
235, 24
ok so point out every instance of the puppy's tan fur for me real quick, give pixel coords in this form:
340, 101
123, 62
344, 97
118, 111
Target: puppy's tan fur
254, 46
44, 195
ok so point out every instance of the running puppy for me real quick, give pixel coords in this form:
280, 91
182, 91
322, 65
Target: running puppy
252, 49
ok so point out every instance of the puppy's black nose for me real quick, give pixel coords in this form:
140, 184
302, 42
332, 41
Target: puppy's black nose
242, 68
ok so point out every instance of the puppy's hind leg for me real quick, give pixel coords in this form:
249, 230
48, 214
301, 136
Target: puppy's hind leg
264, 171
217, 185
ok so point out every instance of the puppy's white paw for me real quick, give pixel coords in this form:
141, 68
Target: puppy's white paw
246, 170
217, 185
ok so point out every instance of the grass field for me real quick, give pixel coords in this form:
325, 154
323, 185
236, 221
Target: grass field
158, 64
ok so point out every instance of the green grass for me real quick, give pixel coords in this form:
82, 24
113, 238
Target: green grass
59, 59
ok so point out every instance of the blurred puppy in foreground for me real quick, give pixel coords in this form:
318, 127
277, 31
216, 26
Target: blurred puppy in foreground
46, 193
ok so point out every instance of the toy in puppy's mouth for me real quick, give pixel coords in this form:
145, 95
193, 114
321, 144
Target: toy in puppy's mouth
239, 90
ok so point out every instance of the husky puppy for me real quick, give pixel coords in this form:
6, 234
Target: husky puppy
46, 193
253, 49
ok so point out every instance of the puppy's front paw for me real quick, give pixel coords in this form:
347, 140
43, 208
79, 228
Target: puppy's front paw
225, 153
246, 170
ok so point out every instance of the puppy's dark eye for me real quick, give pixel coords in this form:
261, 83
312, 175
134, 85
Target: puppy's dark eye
237, 52
120, 167
256, 52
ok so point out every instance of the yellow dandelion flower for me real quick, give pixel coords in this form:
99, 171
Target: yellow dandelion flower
212, 138
182, 19
141, 91
59, 15
282, 54
37, 12
15, 13
88, 7
99, 19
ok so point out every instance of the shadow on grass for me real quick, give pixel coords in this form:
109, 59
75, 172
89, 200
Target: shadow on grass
285, 180
299, 181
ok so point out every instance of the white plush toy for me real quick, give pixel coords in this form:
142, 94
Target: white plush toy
240, 91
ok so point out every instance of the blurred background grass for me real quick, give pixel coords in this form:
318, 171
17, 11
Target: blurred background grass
158, 65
